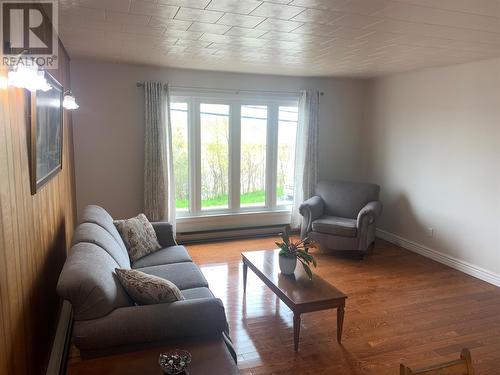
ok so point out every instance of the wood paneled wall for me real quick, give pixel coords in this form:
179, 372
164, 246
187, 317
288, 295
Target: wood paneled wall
35, 232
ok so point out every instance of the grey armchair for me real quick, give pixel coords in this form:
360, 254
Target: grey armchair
342, 215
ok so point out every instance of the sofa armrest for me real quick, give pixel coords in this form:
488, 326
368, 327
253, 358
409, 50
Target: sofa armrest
310, 210
152, 323
165, 233
369, 213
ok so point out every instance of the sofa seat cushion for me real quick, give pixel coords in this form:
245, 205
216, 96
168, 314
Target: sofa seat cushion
338, 226
195, 293
169, 255
185, 275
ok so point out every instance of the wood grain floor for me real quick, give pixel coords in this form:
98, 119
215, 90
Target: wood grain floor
401, 308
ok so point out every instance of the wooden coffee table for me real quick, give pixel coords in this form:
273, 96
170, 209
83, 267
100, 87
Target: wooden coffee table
210, 356
297, 291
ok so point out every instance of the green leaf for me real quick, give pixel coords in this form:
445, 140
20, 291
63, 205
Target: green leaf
308, 270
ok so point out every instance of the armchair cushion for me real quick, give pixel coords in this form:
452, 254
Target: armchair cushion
172, 254
335, 225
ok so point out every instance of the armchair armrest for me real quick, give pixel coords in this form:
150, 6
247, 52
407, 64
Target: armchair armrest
152, 323
165, 233
310, 210
369, 213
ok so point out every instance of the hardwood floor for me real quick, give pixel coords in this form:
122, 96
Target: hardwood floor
402, 307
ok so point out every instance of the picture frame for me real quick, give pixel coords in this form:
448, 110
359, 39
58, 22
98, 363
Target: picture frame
46, 136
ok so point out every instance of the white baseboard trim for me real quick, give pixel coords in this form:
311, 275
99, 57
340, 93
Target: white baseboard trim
438, 256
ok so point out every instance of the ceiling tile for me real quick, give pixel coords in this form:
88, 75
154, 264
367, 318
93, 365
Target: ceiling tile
279, 25
200, 15
233, 19
81, 12
323, 37
319, 4
314, 29
209, 28
234, 6
419, 14
126, 18
277, 11
116, 5
143, 29
192, 43
356, 20
317, 16
153, 9
480, 7
192, 35
245, 32
364, 7
170, 23
199, 4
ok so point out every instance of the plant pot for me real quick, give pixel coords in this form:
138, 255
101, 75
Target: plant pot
287, 264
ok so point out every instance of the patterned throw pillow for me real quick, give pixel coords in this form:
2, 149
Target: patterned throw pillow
139, 236
147, 289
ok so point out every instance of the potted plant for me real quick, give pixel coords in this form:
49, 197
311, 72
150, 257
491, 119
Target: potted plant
291, 251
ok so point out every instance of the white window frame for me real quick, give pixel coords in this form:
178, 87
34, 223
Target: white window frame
235, 100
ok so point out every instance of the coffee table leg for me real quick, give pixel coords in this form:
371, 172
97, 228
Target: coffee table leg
340, 322
245, 271
296, 331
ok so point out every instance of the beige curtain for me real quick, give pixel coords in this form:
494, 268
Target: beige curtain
159, 195
306, 152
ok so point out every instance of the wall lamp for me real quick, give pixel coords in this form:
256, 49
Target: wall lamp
69, 101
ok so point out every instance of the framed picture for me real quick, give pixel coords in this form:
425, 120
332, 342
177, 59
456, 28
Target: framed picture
46, 133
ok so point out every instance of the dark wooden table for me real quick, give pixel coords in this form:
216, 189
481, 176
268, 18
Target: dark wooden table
297, 291
209, 357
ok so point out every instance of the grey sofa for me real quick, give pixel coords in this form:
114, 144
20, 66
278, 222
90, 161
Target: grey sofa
342, 215
105, 318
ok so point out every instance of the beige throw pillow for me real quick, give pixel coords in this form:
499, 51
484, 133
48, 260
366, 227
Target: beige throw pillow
138, 235
147, 289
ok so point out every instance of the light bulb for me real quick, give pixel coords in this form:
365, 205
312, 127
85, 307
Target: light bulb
30, 78
69, 102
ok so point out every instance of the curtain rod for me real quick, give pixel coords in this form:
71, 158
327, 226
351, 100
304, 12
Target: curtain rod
141, 84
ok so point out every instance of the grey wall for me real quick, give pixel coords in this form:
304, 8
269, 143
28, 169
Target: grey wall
433, 144
108, 127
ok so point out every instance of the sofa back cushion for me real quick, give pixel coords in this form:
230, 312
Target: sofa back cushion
98, 215
96, 234
346, 199
89, 283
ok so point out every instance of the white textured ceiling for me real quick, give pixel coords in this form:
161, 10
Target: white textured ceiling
297, 37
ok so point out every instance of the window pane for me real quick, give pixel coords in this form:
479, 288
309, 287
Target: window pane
287, 132
253, 156
214, 132
179, 119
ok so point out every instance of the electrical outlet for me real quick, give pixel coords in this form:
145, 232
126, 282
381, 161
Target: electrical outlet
430, 232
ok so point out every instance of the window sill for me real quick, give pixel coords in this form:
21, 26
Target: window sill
229, 220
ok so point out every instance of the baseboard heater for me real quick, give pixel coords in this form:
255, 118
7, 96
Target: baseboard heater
62, 341
228, 234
